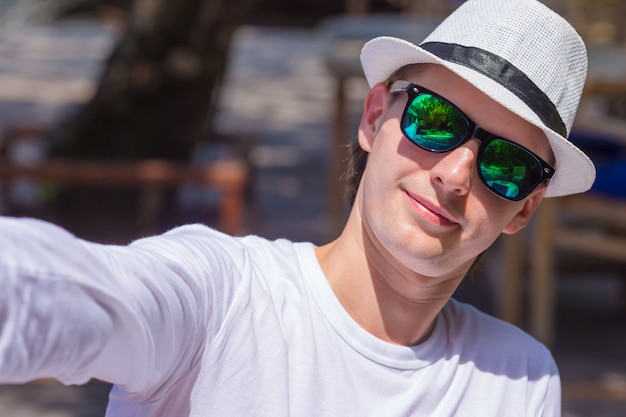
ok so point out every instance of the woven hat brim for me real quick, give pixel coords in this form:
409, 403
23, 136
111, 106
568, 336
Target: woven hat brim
575, 173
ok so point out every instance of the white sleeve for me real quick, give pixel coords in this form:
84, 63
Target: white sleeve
551, 405
131, 315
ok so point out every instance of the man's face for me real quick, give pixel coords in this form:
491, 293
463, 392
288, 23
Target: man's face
429, 211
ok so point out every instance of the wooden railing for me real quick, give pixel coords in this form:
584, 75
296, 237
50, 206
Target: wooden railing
228, 177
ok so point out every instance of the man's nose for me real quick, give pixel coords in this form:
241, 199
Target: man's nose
454, 171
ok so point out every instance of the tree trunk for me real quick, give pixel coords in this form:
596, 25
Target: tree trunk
155, 99
156, 94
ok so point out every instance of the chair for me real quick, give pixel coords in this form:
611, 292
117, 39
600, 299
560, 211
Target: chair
584, 228
590, 224
588, 230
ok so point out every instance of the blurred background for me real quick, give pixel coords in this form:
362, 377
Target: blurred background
120, 119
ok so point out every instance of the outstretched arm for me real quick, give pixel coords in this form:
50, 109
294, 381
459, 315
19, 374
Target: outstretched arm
75, 310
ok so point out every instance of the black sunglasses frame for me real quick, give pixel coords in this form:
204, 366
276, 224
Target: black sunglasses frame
473, 131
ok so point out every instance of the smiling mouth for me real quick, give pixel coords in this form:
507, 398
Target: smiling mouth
431, 214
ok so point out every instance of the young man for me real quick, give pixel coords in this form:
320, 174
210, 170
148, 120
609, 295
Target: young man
460, 139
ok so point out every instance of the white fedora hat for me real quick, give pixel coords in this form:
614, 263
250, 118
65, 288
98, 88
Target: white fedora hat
519, 53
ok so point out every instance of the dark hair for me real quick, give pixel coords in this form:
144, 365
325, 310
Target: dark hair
355, 165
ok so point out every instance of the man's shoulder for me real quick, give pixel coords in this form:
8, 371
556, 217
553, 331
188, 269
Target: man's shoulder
483, 334
199, 236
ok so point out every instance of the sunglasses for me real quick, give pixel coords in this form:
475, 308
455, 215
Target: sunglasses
434, 124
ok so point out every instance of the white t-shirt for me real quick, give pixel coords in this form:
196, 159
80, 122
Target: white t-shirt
198, 323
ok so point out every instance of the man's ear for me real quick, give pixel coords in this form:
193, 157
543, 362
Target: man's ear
522, 217
373, 109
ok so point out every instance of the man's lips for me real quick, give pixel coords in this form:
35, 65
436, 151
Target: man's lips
432, 212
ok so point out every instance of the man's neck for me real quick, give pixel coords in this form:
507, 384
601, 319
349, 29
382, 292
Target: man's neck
386, 299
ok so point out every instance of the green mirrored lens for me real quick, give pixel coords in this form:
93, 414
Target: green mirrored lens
434, 124
509, 170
